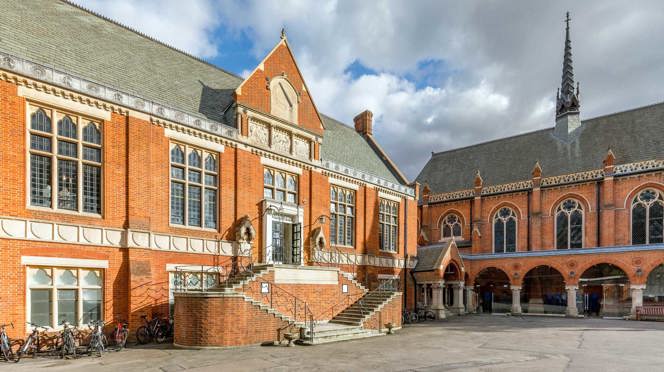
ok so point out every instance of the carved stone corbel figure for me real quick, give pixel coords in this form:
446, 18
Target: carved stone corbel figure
245, 232
317, 238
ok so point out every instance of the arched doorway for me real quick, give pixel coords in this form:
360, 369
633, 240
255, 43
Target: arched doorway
493, 287
605, 291
452, 277
654, 292
543, 291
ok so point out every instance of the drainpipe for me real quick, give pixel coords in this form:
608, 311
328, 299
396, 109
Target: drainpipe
599, 222
529, 196
405, 253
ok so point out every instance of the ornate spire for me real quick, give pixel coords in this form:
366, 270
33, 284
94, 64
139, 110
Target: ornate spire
567, 98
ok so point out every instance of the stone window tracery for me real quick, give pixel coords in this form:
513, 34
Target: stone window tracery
65, 161
451, 226
388, 215
569, 225
504, 230
647, 217
342, 216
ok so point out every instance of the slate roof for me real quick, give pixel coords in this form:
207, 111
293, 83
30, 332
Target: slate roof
63, 36
634, 135
430, 256
343, 145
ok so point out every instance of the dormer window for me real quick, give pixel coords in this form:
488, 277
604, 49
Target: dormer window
283, 99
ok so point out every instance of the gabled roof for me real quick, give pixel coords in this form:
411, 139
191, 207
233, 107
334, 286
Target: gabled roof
634, 135
435, 256
62, 35
343, 145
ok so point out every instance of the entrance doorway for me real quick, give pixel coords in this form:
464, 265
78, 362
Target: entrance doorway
605, 291
495, 295
543, 291
286, 247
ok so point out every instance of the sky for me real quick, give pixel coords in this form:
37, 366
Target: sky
437, 74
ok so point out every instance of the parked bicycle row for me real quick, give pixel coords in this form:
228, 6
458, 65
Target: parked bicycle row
68, 342
421, 315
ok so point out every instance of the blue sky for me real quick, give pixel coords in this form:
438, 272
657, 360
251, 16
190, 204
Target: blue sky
437, 74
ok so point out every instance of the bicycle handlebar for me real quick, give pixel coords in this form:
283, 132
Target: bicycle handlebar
10, 324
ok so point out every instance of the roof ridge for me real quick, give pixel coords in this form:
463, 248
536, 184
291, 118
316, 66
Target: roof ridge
616, 113
148, 37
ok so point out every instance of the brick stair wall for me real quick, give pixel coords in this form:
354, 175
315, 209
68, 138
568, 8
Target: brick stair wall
389, 312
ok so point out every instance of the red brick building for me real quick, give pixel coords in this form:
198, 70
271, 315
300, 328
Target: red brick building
129, 167
562, 220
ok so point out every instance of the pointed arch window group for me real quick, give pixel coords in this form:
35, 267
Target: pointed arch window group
504, 230
451, 226
647, 217
569, 225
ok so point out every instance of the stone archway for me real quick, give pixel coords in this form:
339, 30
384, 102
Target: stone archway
494, 293
605, 289
543, 291
654, 291
453, 287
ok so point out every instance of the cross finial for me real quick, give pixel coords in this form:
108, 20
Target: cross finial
567, 19
283, 32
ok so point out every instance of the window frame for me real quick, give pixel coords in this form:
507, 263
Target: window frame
81, 121
444, 222
285, 189
636, 201
53, 287
346, 215
559, 210
382, 223
187, 149
494, 219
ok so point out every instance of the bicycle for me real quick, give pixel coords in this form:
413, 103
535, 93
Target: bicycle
31, 343
152, 330
68, 341
409, 317
424, 315
98, 339
5, 344
120, 334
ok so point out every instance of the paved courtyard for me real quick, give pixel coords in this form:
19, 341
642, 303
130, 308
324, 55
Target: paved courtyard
472, 343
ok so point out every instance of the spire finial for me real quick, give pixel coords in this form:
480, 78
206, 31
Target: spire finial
283, 33
568, 100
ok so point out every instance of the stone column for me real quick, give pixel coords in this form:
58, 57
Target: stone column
457, 304
637, 296
471, 307
571, 310
516, 299
437, 302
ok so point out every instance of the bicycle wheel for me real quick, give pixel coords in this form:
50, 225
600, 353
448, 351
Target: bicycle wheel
429, 315
143, 335
121, 340
413, 317
160, 337
7, 353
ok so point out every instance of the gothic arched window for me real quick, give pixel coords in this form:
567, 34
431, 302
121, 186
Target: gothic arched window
647, 217
569, 225
451, 226
504, 230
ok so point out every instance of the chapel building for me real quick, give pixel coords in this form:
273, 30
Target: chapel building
564, 220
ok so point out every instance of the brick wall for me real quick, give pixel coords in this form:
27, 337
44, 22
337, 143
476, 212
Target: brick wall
390, 313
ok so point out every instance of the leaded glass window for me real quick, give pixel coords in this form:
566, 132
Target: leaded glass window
388, 224
504, 230
58, 294
65, 162
569, 225
648, 217
342, 216
451, 226
194, 186
280, 186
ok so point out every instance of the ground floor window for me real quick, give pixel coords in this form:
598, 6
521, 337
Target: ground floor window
59, 294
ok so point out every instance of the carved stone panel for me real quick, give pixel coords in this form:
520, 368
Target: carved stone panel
281, 141
258, 133
301, 147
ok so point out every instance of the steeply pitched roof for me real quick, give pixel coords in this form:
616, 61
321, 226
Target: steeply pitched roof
634, 135
343, 145
64, 36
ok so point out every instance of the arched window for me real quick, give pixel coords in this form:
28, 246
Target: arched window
67, 128
504, 231
569, 225
40, 121
451, 226
647, 215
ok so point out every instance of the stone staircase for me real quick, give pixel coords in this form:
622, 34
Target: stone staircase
332, 332
362, 309
244, 278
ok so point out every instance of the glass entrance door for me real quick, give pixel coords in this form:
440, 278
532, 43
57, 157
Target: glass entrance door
278, 241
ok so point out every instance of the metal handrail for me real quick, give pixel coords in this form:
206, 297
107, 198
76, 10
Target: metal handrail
290, 305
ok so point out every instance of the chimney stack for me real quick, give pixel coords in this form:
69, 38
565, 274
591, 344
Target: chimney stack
364, 122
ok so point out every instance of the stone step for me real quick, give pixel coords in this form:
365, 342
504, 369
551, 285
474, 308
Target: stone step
346, 322
337, 338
